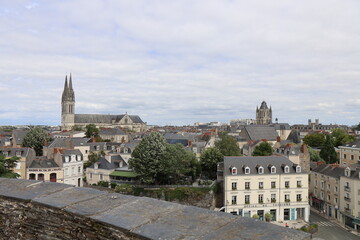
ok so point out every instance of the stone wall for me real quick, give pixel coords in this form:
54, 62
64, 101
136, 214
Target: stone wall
38, 210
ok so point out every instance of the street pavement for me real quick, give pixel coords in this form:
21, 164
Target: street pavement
329, 230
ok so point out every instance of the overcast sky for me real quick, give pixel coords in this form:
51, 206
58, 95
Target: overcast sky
180, 62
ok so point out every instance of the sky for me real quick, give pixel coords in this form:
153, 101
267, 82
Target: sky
181, 62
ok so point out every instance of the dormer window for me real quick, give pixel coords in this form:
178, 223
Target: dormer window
286, 169
78, 157
67, 158
247, 170
234, 171
261, 170
347, 172
298, 169
273, 169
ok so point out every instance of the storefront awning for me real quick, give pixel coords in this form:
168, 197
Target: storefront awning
123, 174
314, 199
356, 221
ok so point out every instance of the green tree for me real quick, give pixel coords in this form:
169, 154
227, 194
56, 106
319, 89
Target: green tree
314, 139
314, 155
263, 149
340, 137
36, 138
146, 159
209, 159
177, 164
91, 131
228, 146
6, 166
93, 157
328, 152
356, 128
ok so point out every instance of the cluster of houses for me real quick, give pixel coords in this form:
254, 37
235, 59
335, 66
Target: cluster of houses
281, 187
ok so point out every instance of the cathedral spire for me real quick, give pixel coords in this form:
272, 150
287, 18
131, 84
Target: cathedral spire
66, 84
70, 83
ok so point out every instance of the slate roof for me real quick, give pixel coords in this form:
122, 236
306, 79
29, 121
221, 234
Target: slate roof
294, 136
104, 164
18, 135
103, 118
329, 170
281, 126
43, 163
354, 144
62, 142
12, 151
112, 131
173, 138
254, 162
71, 152
259, 132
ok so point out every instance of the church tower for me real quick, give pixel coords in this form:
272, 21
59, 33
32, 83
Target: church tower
67, 106
263, 114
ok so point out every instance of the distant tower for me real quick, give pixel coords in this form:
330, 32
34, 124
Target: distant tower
263, 114
67, 106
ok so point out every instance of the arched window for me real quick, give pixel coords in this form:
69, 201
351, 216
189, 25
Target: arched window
247, 170
298, 169
261, 170
41, 177
273, 169
286, 169
234, 171
32, 176
53, 177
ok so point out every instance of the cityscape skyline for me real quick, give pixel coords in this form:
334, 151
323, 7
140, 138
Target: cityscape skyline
181, 63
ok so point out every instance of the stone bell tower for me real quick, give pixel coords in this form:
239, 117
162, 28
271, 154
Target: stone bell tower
263, 114
67, 106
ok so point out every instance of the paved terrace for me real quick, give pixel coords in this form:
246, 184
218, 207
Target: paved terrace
89, 211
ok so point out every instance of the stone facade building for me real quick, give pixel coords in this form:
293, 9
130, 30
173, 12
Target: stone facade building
70, 119
263, 114
261, 185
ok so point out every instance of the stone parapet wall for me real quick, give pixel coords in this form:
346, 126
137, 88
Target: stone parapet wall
45, 210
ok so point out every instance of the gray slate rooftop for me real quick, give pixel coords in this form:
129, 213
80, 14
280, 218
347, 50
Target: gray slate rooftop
103, 118
149, 218
259, 132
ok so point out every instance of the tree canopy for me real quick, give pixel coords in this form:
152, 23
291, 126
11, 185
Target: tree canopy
6, 166
314, 139
157, 162
314, 155
228, 146
209, 159
91, 131
340, 137
263, 149
328, 152
36, 138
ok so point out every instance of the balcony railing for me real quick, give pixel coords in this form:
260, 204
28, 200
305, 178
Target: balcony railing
233, 202
247, 202
286, 186
261, 187
299, 185
247, 188
287, 200
260, 201
273, 200
299, 199
348, 210
273, 187
234, 188
347, 199
347, 189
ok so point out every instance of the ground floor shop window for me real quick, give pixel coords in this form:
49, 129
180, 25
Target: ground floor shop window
273, 213
261, 215
247, 213
286, 214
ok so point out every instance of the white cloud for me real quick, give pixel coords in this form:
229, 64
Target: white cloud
181, 61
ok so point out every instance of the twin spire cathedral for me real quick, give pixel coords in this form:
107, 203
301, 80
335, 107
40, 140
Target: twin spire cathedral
69, 119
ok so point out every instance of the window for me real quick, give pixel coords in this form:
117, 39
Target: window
344, 156
322, 185
315, 192
260, 198
261, 185
247, 185
273, 169
273, 198
79, 169
73, 171
298, 184
101, 177
67, 159
234, 186
287, 184
233, 200
90, 175
78, 157
328, 187
247, 170
315, 182
298, 197
335, 200
86, 151
261, 170
234, 171
322, 195
298, 169
273, 184
328, 197
287, 197
18, 153
336, 189
352, 157
247, 199
66, 171
286, 169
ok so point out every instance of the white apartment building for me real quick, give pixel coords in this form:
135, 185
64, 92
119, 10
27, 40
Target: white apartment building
72, 164
261, 185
